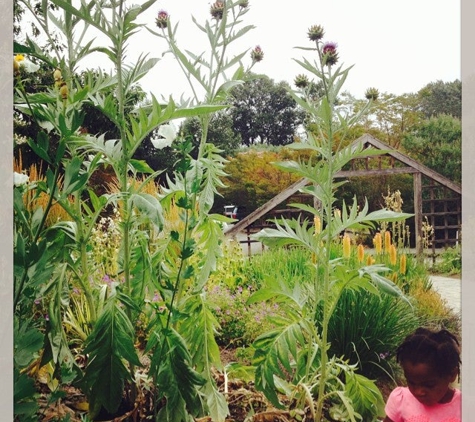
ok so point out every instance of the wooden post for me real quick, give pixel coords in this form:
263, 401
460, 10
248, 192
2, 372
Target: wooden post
418, 212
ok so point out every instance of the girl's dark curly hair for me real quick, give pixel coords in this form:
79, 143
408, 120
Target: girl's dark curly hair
439, 349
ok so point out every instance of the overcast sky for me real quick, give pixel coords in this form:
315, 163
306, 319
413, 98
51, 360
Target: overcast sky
395, 46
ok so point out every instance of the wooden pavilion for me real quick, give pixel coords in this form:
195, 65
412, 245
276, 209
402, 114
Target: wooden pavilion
437, 199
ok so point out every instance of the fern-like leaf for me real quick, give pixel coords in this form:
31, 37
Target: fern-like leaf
110, 343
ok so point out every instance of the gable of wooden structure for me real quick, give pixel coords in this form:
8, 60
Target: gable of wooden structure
409, 166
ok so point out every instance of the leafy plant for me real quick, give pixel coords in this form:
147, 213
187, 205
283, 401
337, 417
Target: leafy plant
59, 264
297, 353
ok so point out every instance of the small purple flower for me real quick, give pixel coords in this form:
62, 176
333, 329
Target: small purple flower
37, 301
217, 9
162, 19
46, 317
330, 55
155, 297
257, 55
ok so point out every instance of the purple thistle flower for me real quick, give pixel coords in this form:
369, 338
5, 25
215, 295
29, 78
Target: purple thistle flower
329, 47
162, 19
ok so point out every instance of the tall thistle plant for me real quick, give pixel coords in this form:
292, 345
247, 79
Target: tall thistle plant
51, 262
294, 357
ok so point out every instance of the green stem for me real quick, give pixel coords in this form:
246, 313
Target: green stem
329, 237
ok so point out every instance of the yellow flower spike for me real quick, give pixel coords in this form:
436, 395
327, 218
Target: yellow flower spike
403, 264
394, 278
378, 242
392, 255
314, 258
360, 253
370, 260
387, 240
346, 246
317, 224
64, 91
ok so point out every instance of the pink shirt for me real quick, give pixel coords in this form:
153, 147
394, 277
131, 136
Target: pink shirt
402, 406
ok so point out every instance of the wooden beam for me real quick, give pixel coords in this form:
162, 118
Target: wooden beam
418, 212
264, 209
376, 172
371, 140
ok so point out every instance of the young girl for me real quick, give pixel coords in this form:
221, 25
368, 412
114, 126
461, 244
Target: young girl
431, 362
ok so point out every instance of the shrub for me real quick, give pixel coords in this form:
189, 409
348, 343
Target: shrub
240, 323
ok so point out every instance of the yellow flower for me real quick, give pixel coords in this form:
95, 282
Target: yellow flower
317, 224
370, 260
403, 264
392, 255
378, 242
346, 246
360, 253
19, 60
387, 240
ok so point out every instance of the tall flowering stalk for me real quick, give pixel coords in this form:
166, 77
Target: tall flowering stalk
300, 344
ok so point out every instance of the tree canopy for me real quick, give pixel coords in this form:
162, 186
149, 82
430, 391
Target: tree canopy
263, 112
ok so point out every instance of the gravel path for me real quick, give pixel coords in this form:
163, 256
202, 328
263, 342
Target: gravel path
450, 290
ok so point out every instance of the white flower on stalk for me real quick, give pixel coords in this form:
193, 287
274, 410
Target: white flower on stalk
23, 62
168, 134
20, 179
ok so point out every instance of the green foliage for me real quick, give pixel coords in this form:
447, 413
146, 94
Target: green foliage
111, 342
252, 180
264, 113
102, 302
437, 143
448, 262
220, 132
440, 97
240, 323
297, 353
366, 329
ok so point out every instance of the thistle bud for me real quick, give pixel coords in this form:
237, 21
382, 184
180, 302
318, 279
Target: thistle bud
217, 9
301, 81
162, 19
371, 94
257, 54
243, 4
64, 91
57, 74
316, 33
330, 55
